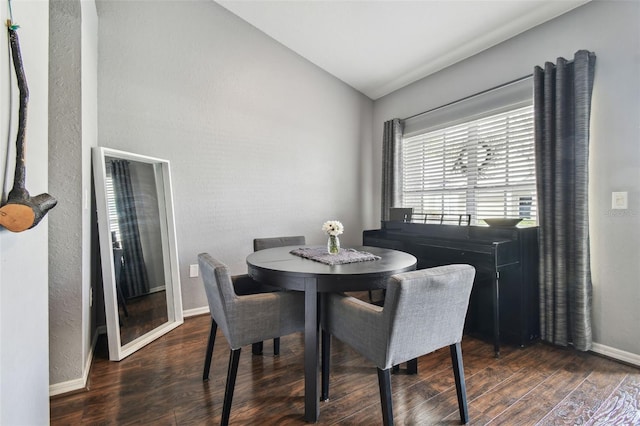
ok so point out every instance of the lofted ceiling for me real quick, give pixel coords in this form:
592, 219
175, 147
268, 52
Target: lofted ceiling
378, 46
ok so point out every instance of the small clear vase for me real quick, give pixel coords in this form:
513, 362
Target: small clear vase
333, 245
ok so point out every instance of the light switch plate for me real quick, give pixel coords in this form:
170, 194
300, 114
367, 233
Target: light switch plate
619, 200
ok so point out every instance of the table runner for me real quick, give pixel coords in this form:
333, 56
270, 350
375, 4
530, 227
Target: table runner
319, 254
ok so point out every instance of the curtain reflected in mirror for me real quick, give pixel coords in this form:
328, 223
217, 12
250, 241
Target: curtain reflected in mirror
138, 249
133, 213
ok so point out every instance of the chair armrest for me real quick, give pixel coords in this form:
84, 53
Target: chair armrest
360, 323
264, 316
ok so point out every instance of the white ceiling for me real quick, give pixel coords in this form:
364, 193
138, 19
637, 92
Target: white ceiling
378, 46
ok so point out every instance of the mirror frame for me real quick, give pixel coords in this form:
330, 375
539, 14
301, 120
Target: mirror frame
117, 351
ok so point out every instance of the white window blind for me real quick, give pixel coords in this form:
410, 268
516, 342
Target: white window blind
114, 224
483, 167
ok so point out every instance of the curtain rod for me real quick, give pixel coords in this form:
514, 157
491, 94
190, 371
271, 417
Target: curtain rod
470, 96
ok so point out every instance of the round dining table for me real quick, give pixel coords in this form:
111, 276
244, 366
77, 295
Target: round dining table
279, 267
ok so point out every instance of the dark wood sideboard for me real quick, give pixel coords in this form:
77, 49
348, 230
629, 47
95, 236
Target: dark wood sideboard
504, 300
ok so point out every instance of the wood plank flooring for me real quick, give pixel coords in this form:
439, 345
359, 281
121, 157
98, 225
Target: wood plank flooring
162, 385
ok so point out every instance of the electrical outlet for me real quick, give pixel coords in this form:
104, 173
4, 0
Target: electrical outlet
619, 200
193, 270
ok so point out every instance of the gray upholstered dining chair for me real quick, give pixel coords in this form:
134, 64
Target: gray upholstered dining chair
246, 319
424, 310
244, 285
266, 243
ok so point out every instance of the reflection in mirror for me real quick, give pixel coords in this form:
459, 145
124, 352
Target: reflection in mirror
138, 249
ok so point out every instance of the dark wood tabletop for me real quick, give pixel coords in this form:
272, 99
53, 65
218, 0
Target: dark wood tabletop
279, 267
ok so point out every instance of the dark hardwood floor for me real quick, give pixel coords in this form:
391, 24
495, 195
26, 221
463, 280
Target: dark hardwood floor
162, 385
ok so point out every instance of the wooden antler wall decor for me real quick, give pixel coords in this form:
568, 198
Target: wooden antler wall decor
22, 211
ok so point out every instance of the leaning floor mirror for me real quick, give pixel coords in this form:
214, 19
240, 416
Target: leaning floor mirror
138, 249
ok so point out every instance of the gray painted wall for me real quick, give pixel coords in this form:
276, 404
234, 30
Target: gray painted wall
611, 30
65, 178
72, 133
261, 142
93, 306
24, 345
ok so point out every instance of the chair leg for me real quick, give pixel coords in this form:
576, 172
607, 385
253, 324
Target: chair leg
384, 381
276, 346
326, 357
209, 354
461, 388
256, 348
234, 358
412, 366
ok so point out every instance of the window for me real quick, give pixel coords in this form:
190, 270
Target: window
483, 167
114, 224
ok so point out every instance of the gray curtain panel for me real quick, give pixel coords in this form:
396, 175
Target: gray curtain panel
135, 281
562, 102
391, 165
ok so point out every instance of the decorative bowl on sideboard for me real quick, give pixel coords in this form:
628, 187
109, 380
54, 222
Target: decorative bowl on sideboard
502, 222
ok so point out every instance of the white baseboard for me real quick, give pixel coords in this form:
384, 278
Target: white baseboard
196, 311
68, 386
81, 383
617, 354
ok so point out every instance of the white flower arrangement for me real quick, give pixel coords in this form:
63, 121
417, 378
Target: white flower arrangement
333, 227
